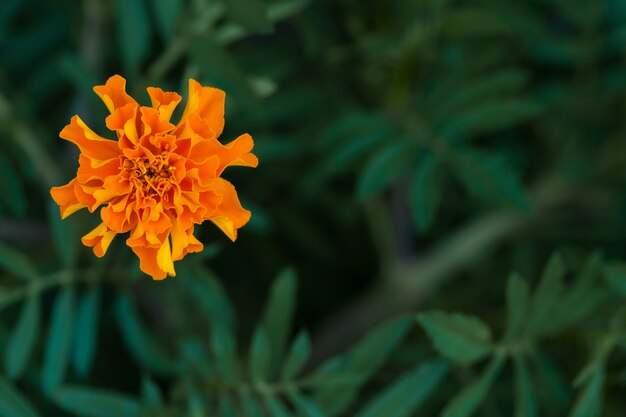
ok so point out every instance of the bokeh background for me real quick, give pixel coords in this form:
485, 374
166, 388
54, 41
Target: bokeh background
439, 213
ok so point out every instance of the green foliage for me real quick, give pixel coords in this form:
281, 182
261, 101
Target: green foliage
413, 154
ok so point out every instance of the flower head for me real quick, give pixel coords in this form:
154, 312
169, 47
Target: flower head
158, 179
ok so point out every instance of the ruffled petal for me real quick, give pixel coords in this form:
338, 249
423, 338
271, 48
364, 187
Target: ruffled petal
229, 215
89, 143
65, 197
164, 102
113, 93
236, 152
148, 262
208, 104
100, 239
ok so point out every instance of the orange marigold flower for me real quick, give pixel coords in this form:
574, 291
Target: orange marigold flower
157, 180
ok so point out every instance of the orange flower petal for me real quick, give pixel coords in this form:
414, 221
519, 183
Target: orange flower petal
65, 197
148, 262
89, 143
208, 103
113, 93
229, 215
164, 102
100, 239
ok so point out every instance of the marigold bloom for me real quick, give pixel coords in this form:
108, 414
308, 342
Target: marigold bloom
158, 179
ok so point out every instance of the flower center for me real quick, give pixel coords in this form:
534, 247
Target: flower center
150, 176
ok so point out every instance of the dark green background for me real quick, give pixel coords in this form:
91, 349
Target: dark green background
413, 153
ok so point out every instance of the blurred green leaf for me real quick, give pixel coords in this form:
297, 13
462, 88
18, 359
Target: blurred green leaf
65, 241
406, 395
91, 402
546, 296
209, 295
615, 275
517, 302
357, 365
476, 91
151, 393
278, 315
275, 406
12, 194
86, 330
13, 403
15, 262
525, 401
260, 356
463, 339
166, 13
224, 348
354, 146
383, 168
305, 406
133, 33
425, 192
492, 116
489, 177
279, 10
139, 341
465, 403
59, 344
470, 22
298, 355
589, 402
251, 14
23, 339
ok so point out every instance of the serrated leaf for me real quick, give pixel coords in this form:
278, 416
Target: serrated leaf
141, 344
465, 403
251, 14
298, 355
23, 339
546, 296
15, 262
305, 406
525, 402
86, 330
425, 191
490, 178
59, 344
166, 13
62, 236
278, 315
460, 338
406, 395
384, 167
90, 402
133, 33
13, 403
517, 300
615, 275
260, 356
589, 402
